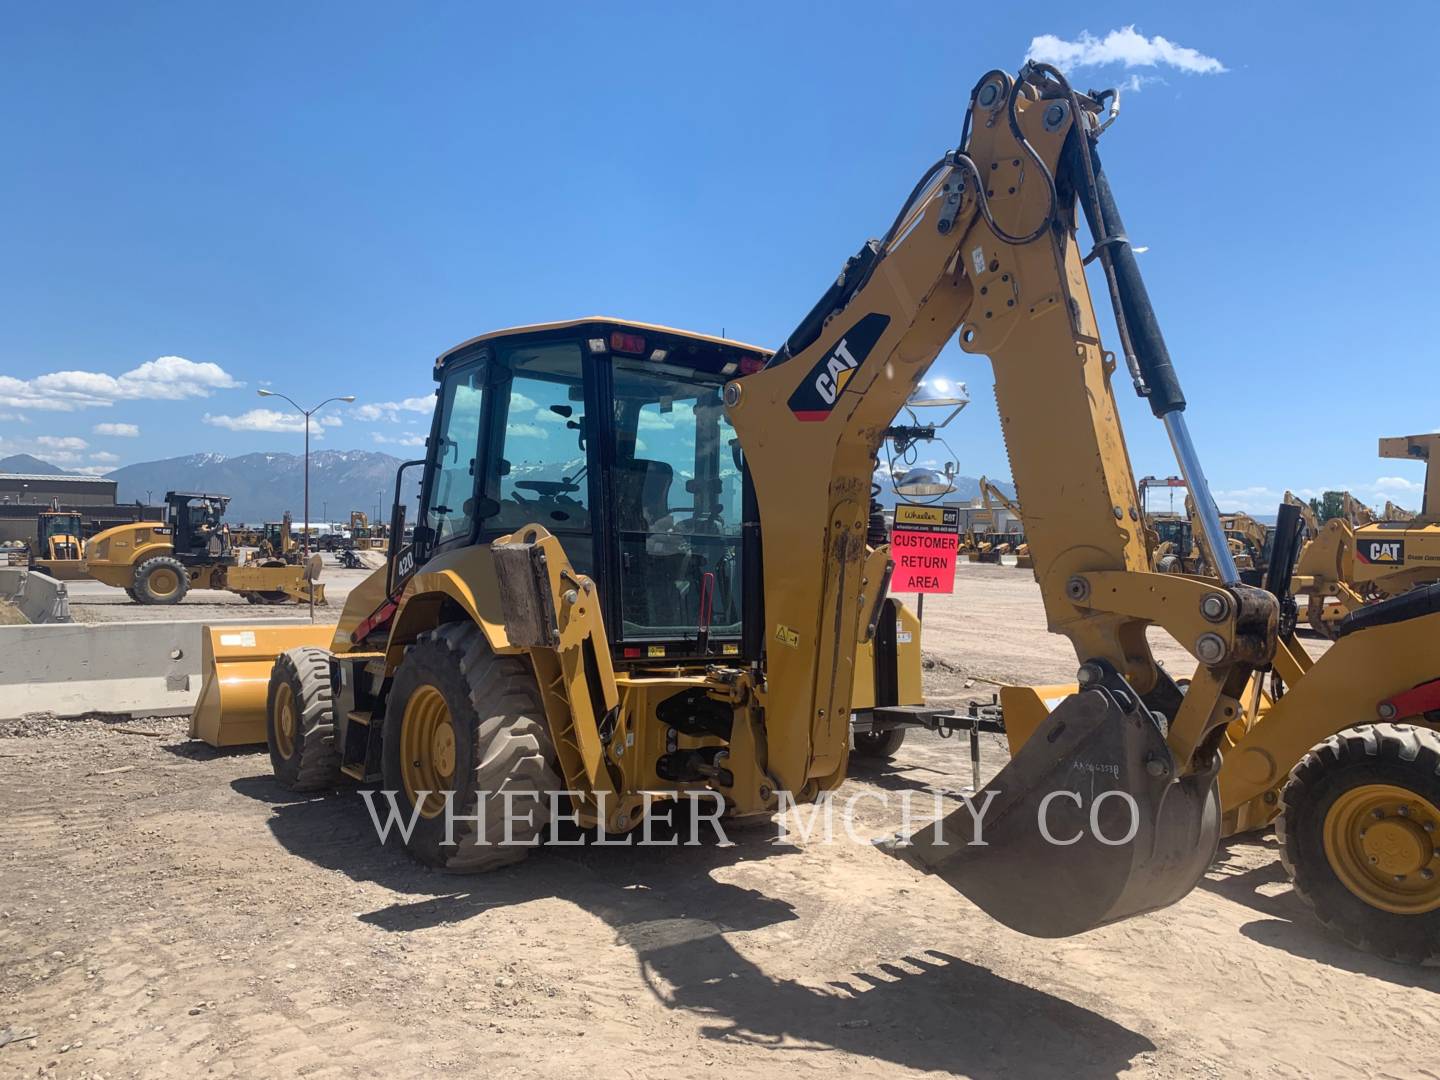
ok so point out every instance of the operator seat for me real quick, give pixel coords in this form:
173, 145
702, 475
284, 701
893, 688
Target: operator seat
642, 493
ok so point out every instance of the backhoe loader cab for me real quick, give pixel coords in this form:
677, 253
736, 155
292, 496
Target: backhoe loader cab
58, 547
613, 436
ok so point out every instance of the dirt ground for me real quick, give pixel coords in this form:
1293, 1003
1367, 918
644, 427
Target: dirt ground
167, 911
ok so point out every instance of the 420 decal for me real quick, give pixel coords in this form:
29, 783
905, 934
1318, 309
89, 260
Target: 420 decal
817, 393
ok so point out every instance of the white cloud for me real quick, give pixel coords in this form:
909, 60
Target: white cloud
272, 420
409, 439
12, 418
1397, 483
391, 410
61, 442
168, 378
532, 431
104, 455
1127, 47
92, 470
119, 431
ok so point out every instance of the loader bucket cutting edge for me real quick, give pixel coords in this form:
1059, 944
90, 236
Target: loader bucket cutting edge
235, 665
1071, 881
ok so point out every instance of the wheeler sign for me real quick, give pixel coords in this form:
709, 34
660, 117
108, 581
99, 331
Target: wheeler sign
923, 544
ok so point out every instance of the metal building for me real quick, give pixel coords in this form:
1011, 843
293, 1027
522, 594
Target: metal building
38, 489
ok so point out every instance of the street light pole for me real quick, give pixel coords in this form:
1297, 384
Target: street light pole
307, 413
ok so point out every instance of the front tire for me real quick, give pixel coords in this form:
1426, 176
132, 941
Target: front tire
1359, 836
463, 720
300, 721
161, 580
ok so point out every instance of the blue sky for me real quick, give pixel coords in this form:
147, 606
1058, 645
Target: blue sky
322, 197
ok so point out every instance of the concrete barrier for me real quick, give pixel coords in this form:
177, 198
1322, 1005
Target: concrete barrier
40, 598
134, 668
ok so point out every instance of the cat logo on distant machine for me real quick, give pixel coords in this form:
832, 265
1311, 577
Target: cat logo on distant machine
1380, 552
815, 397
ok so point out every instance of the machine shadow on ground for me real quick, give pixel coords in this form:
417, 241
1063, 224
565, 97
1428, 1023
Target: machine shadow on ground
918, 1007
1288, 924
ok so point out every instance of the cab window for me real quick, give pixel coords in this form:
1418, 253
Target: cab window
676, 492
450, 503
538, 450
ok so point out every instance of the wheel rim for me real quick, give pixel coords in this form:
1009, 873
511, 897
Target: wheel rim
285, 721
164, 582
427, 749
1380, 840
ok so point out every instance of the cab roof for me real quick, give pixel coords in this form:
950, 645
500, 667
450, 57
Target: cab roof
625, 325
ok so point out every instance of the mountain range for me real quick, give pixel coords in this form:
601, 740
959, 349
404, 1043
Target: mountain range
263, 486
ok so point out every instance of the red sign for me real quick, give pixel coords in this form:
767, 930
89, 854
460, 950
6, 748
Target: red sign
924, 544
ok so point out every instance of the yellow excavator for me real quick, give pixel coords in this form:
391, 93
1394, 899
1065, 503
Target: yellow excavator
158, 562
1355, 559
673, 599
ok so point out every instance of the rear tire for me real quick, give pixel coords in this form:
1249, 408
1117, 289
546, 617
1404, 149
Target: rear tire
1329, 805
161, 580
300, 721
461, 719
879, 745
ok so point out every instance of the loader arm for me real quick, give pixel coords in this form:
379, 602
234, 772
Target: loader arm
986, 248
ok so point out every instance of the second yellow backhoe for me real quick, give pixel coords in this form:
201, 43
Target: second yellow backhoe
990, 496
665, 593
59, 545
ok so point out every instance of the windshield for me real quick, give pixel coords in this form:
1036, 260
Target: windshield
62, 525
676, 486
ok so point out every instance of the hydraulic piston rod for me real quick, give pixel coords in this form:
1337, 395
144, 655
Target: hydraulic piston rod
1144, 345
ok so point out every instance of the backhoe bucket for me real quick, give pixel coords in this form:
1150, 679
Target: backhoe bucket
235, 662
1088, 824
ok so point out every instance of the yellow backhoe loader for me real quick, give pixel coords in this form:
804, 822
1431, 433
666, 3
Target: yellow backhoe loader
158, 562
1355, 560
990, 495
276, 544
671, 600
59, 550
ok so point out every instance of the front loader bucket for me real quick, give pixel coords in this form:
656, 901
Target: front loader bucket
235, 662
1061, 849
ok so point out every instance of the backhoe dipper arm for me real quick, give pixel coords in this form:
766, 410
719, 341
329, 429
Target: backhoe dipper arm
985, 248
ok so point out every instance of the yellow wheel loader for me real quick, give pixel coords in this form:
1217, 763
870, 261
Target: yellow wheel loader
1355, 560
59, 550
672, 599
158, 562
